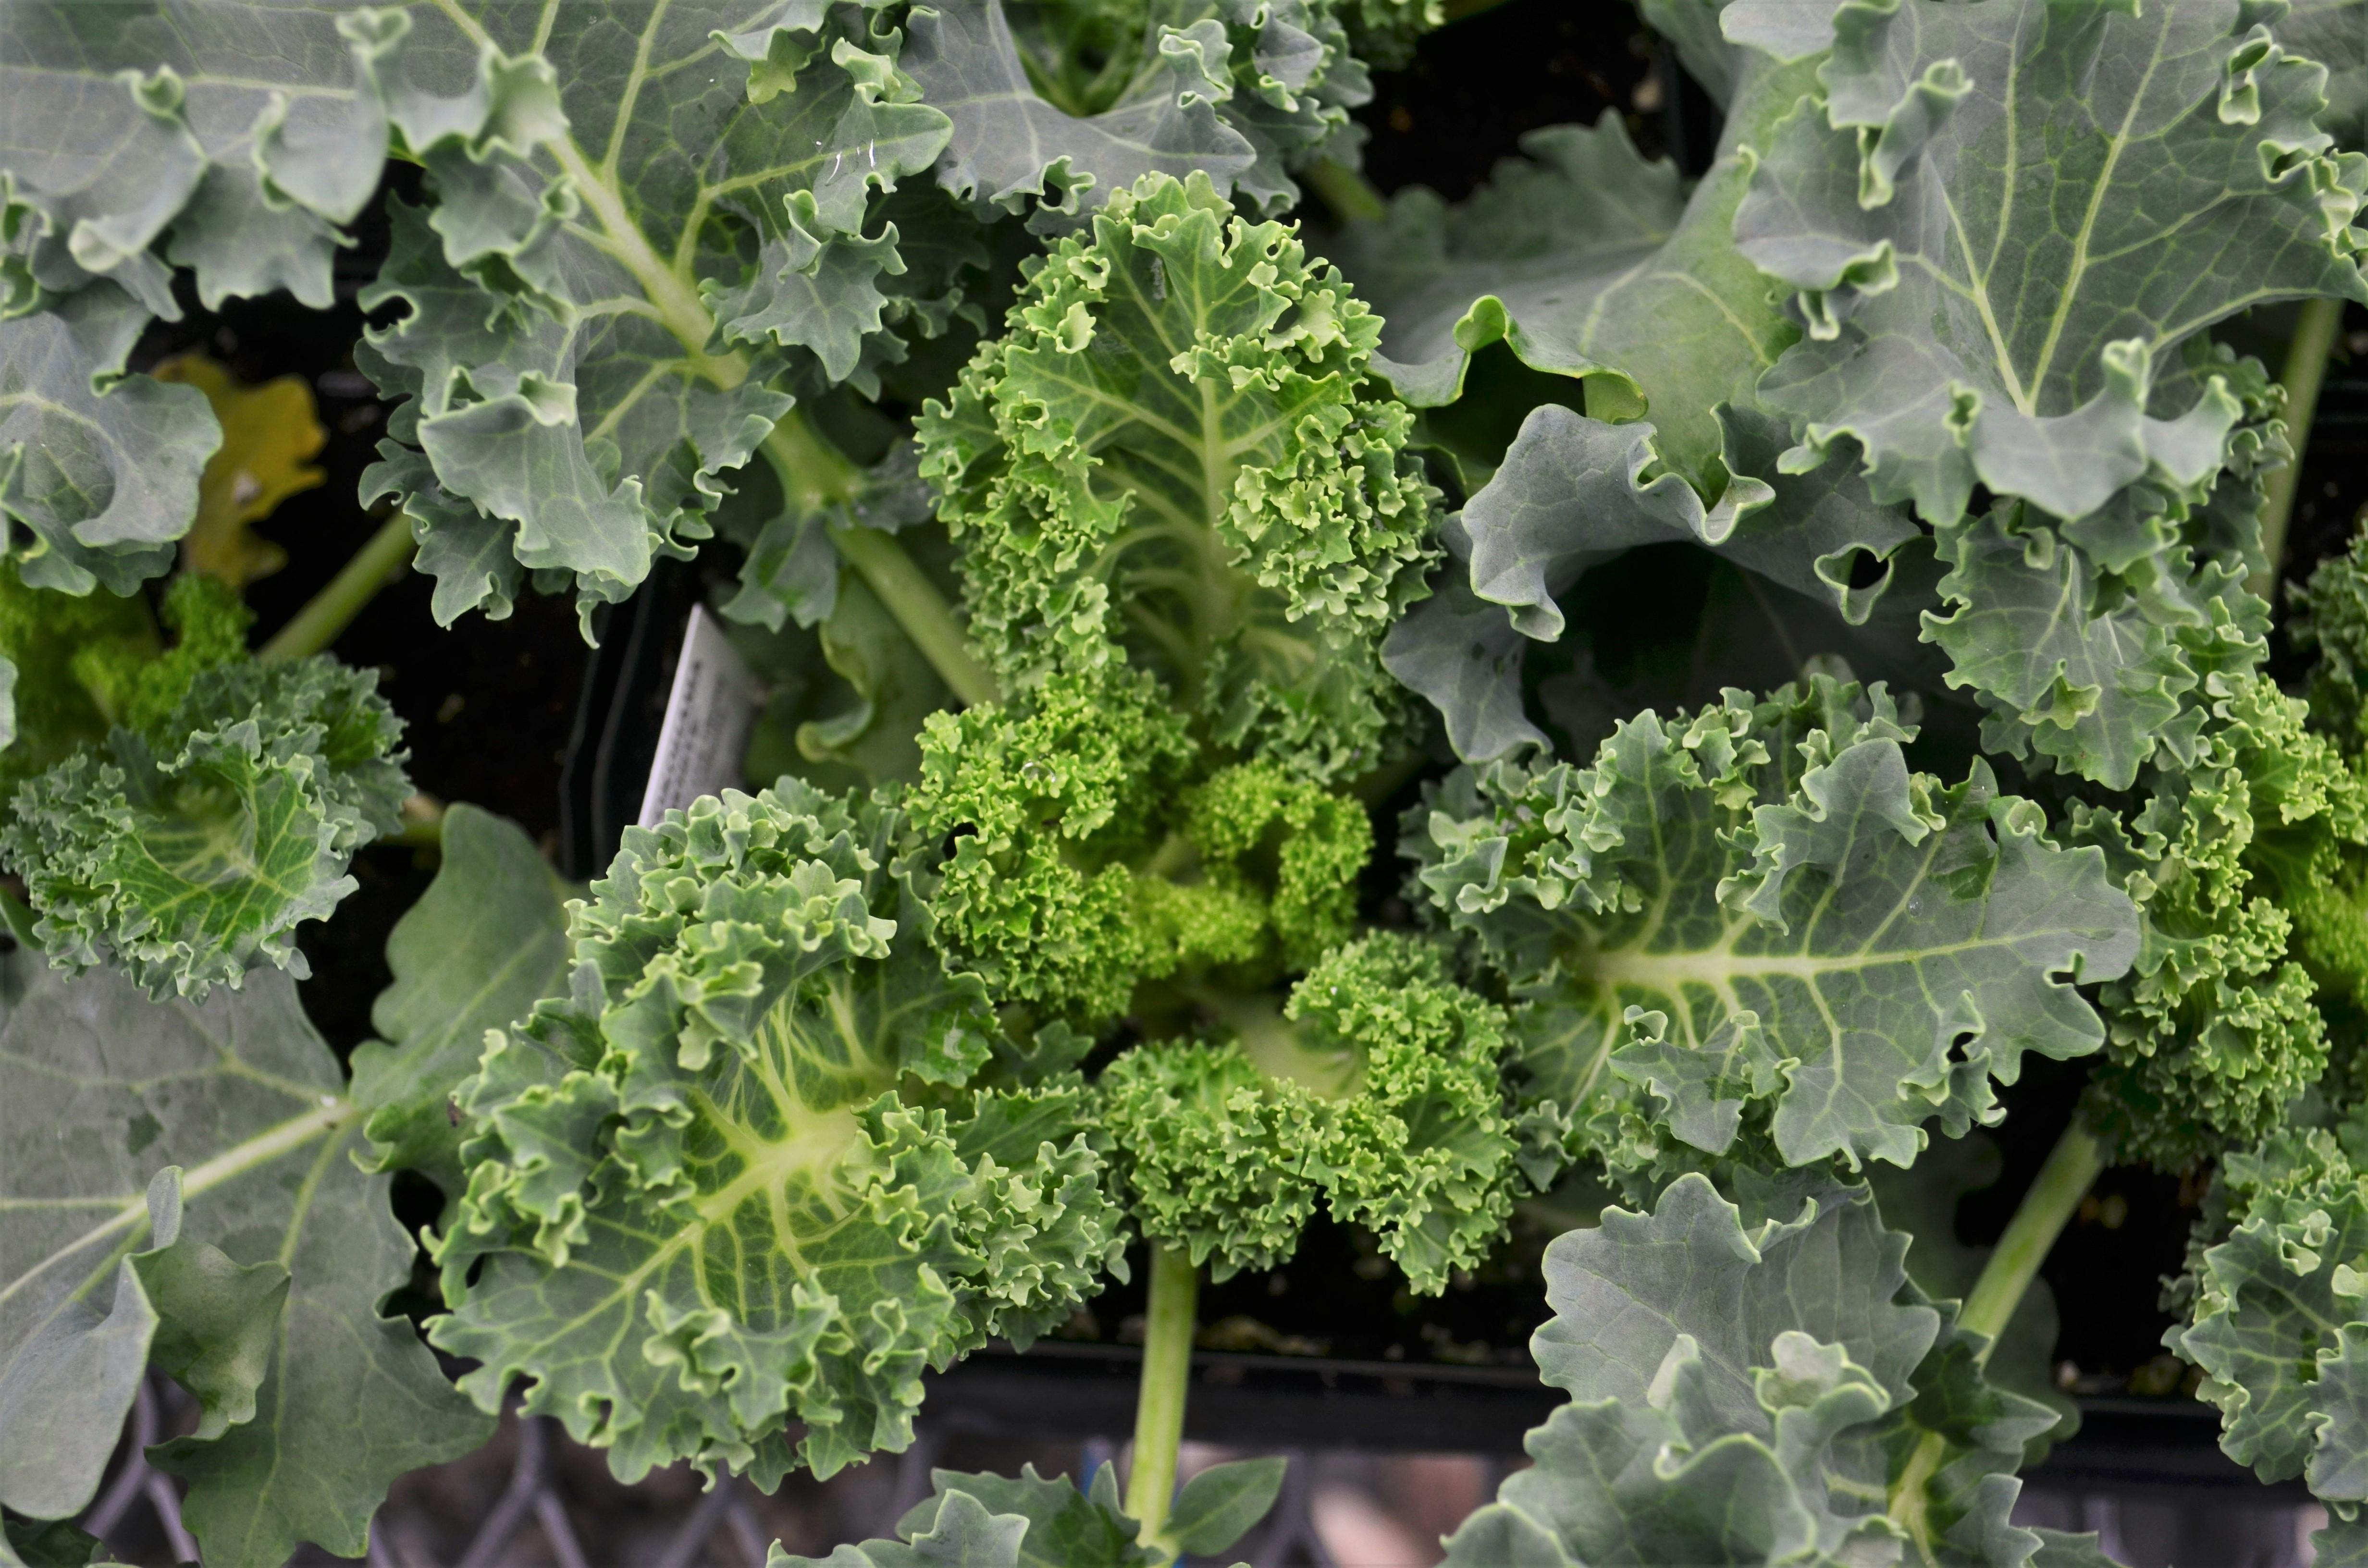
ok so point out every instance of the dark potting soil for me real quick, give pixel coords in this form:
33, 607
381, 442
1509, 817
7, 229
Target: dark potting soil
490, 706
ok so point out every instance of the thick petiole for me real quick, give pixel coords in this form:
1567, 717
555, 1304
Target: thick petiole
1159, 1407
2046, 1208
2306, 371
813, 473
330, 611
2071, 1170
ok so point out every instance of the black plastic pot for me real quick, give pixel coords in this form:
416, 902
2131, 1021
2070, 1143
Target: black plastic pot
1056, 1392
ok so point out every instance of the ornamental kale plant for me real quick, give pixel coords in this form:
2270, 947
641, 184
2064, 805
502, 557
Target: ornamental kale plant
1303, 724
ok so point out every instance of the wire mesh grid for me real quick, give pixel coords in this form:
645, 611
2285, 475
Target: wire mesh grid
531, 1498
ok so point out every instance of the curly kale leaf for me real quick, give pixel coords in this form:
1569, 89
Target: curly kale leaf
1759, 1386
1066, 104
1587, 261
1755, 921
2088, 642
138, 685
1573, 494
44, 636
2002, 218
1092, 851
2274, 1310
1170, 458
2246, 866
99, 468
617, 305
198, 136
732, 1180
77, 666
187, 855
1379, 1091
2333, 623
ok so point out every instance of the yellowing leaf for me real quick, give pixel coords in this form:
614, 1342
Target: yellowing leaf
269, 432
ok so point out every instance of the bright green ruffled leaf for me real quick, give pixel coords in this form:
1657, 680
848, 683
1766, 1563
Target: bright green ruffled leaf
731, 1179
1755, 921
189, 856
2333, 623
486, 941
1212, 493
133, 682
2243, 864
1377, 1091
106, 1090
1087, 858
1983, 311
1750, 1388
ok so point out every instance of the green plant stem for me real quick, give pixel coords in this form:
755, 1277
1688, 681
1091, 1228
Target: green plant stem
423, 825
920, 608
331, 610
813, 473
2047, 1206
2306, 371
1351, 198
1159, 1407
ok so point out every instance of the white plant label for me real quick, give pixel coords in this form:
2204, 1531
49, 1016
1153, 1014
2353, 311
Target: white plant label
709, 713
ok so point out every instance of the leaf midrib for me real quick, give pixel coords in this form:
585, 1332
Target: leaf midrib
131, 1217
2076, 275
